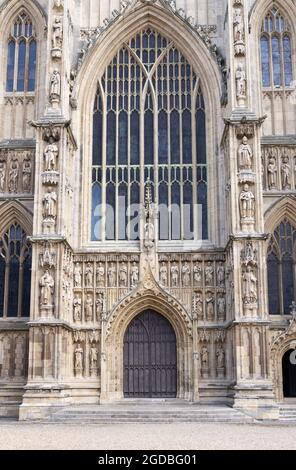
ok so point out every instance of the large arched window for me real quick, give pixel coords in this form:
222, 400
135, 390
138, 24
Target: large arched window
281, 269
21, 56
149, 124
15, 273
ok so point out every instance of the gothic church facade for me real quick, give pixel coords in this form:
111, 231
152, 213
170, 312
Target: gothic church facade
147, 203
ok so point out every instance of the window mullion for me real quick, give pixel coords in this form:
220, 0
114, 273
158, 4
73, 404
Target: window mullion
6, 288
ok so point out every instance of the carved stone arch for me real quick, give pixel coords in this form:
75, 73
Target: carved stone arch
284, 208
142, 299
10, 8
94, 66
279, 346
13, 211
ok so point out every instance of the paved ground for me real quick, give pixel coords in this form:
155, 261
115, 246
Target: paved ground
145, 436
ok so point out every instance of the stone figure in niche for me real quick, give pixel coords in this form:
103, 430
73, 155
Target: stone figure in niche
100, 275
49, 205
286, 173
210, 307
27, 175
204, 358
89, 308
77, 308
55, 85
46, 284
134, 275
238, 25
93, 357
241, 82
2, 176
13, 176
221, 275
198, 305
57, 35
250, 286
175, 274
245, 154
221, 305
209, 274
272, 172
186, 275
247, 203
50, 155
163, 274
112, 275
77, 275
99, 306
78, 358
220, 354
89, 275
197, 274
123, 275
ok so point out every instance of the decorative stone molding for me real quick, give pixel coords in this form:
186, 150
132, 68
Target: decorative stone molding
279, 168
16, 172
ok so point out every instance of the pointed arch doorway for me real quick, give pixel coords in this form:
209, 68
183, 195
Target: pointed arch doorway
289, 374
150, 357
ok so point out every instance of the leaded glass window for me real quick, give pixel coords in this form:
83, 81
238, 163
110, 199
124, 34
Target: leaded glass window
15, 273
276, 51
149, 124
21, 56
281, 263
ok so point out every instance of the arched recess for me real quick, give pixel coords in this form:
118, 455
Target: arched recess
284, 208
101, 54
13, 211
282, 343
9, 10
144, 298
256, 17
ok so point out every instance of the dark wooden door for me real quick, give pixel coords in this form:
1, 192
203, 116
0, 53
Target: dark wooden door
150, 358
289, 375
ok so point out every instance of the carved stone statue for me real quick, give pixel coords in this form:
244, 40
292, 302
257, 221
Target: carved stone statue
50, 156
221, 275
100, 306
221, 306
149, 229
198, 305
245, 154
197, 274
77, 308
163, 274
89, 275
272, 173
77, 275
175, 275
134, 275
112, 275
46, 284
13, 176
247, 203
286, 173
100, 275
241, 83
238, 25
204, 358
49, 205
57, 34
88, 308
2, 176
210, 307
250, 286
93, 358
55, 86
123, 275
209, 274
220, 354
78, 359
27, 175
186, 275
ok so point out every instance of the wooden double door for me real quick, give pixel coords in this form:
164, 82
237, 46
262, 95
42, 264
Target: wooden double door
150, 358
289, 374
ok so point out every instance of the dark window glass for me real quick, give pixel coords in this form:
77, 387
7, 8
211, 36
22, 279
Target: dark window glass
27, 285
202, 201
111, 211
96, 212
2, 284
97, 138
163, 137
273, 284
21, 66
32, 65
10, 66
135, 138
288, 282
187, 137
13, 290
149, 138
123, 138
175, 137
265, 61
111, 138
288, 61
